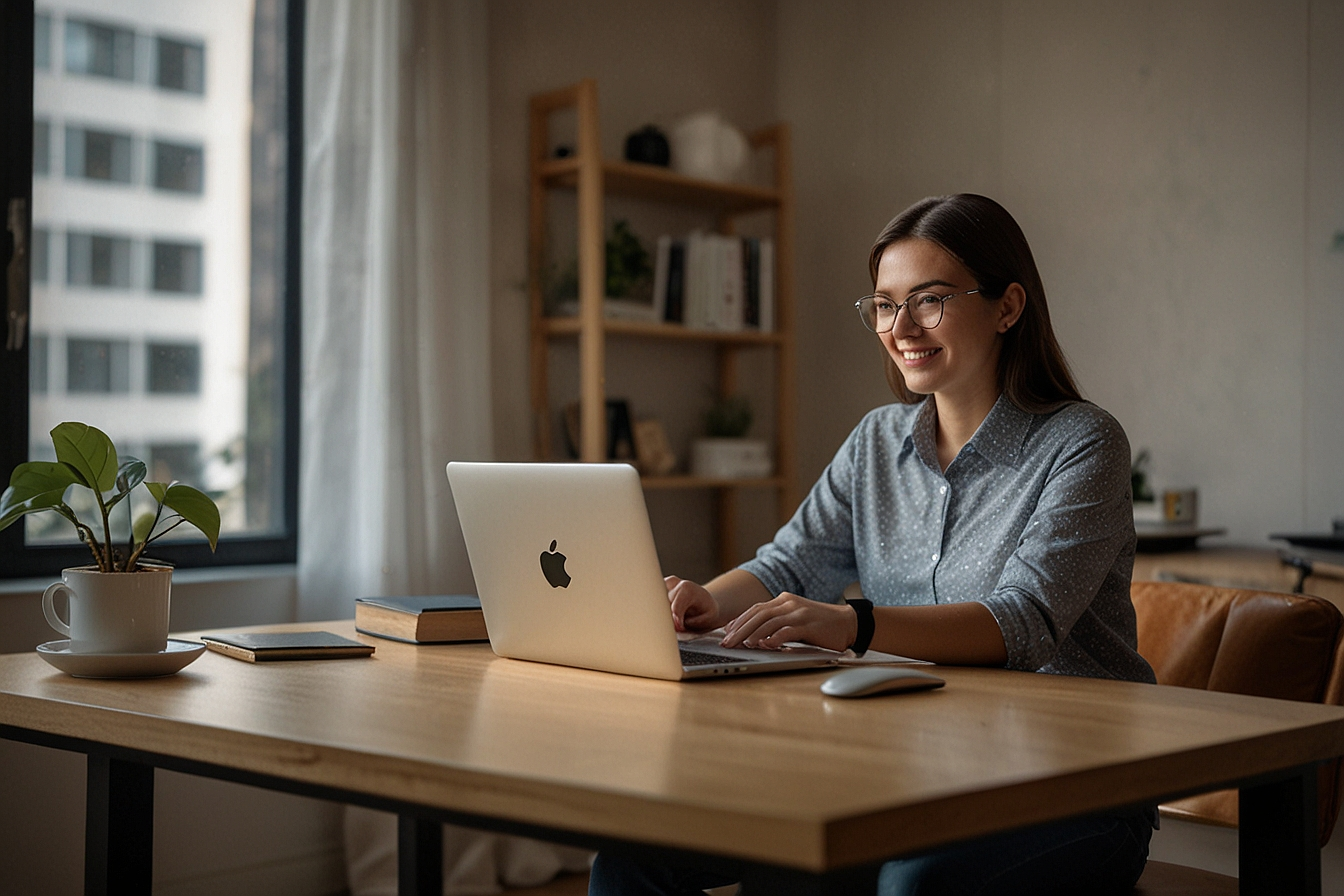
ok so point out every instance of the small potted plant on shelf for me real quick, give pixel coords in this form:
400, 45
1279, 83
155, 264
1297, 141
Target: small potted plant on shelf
119, 604
726, 453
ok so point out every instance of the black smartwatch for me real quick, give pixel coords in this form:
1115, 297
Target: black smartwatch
863, 608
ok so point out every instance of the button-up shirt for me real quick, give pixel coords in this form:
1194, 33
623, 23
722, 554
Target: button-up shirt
1033, 518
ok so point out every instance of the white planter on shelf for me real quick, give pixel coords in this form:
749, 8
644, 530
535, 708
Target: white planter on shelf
731, 458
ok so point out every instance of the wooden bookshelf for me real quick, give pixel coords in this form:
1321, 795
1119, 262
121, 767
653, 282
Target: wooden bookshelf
592, 178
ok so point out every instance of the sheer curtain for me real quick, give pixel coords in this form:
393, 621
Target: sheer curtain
395, 316
396, 347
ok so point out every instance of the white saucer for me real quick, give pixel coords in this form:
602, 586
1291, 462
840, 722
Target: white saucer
121, 665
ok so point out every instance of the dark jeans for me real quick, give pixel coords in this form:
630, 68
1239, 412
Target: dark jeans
1094, 856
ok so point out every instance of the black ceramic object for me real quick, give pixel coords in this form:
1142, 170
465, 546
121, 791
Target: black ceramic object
647, 145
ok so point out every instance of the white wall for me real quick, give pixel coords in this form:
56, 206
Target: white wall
1176, 168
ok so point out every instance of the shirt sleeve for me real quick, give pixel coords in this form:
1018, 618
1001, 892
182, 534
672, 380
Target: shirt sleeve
813, 553
1083, 522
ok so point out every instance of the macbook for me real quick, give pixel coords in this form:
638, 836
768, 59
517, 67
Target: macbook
567, 573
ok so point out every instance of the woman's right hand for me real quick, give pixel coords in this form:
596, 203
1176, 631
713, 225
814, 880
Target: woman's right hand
694, 609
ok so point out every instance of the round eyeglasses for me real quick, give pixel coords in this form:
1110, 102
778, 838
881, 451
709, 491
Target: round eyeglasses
925, 309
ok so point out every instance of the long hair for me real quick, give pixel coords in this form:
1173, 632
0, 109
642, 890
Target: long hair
979, 233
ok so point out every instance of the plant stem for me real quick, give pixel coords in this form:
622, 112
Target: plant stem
135, 558
107, 525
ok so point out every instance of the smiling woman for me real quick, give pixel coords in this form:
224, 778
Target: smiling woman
985, 517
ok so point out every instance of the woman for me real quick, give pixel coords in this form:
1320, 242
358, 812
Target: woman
986, 517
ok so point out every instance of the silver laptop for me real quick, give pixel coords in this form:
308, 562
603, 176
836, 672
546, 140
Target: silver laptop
567, 573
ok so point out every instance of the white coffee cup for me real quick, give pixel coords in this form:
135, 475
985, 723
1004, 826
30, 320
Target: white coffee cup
112, 612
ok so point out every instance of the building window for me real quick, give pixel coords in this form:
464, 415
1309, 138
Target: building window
135, 73
98, 365
177, 267
41, 147
42, 42
94, 259
39, 255
38, 364
179, 167
97, 155
175, 461
105, 51
174, 369
181, 65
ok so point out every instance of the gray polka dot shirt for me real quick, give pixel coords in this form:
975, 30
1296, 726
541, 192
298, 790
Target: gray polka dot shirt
1033, 519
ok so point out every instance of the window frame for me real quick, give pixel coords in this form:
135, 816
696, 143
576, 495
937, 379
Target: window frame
17, 559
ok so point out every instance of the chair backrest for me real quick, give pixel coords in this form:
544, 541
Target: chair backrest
1264, 644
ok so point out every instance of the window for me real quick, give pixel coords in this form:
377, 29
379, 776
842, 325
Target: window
176, 267
181, 65
97, 260
38, 364
42, 42
41, 147
173, 369
102, 50
98, 365
174, 460
39, 255
130, 131
98, 155
179, 167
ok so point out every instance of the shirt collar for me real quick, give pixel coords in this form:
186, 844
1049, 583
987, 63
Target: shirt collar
1003, 432
1000, 438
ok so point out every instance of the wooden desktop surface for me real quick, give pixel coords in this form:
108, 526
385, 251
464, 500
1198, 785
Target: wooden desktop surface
763, 768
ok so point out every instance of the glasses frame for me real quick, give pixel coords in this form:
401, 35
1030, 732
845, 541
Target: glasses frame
942, 303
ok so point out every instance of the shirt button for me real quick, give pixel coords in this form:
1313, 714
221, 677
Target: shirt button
935, 558
942, 489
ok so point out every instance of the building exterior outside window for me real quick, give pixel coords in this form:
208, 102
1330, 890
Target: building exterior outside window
145, 121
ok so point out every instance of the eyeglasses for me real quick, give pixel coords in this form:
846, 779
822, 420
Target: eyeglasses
925, 309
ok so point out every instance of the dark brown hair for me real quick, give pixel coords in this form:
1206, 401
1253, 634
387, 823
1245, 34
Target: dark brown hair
979, 233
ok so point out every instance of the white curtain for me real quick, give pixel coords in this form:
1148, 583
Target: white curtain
396, 346
395, 297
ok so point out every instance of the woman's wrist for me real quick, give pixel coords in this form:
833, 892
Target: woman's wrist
865, 625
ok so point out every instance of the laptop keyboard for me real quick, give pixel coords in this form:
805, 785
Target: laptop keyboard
699, 658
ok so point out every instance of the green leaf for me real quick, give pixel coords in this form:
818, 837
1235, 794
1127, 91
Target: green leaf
37, 485
192, 505
89, 452
131, 473
144, 523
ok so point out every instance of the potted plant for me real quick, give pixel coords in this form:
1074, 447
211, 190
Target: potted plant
120, 603
727, 453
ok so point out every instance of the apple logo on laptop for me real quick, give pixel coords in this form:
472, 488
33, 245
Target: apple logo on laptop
553, 567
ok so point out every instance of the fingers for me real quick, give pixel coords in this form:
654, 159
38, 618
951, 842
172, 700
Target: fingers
768, 624
690, 603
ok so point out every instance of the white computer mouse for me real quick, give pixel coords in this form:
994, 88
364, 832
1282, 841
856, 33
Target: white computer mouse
866, 681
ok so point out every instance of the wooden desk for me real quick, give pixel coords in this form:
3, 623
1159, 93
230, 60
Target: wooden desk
764, 776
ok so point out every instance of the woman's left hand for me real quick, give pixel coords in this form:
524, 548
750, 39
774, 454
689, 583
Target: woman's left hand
789, 617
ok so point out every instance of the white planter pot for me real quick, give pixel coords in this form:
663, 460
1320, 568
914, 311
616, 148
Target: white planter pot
112, 612
731, 458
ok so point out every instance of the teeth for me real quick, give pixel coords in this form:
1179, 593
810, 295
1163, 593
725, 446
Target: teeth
915, 356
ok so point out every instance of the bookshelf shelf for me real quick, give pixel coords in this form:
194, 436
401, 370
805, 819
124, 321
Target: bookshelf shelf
592, 179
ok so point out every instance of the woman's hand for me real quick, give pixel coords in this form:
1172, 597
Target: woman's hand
694, 609
789, 617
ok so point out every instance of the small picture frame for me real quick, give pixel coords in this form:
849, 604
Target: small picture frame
653, 454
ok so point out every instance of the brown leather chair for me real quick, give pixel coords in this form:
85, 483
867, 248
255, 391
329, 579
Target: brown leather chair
1243, 642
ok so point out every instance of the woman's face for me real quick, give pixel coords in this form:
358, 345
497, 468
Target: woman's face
957, 359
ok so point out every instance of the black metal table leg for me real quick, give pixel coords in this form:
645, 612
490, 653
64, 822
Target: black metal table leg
1279, 851
419, 856
118, 827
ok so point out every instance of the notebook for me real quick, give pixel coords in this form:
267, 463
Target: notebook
567, 573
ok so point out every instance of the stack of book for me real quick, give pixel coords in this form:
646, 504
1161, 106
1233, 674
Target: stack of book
710, 281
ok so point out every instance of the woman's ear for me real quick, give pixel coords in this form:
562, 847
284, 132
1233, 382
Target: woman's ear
1011, 306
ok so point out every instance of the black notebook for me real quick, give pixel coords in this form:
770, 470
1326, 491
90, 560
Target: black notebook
265, 646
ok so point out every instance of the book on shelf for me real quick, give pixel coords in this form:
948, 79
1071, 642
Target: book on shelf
436, 619
710, 281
